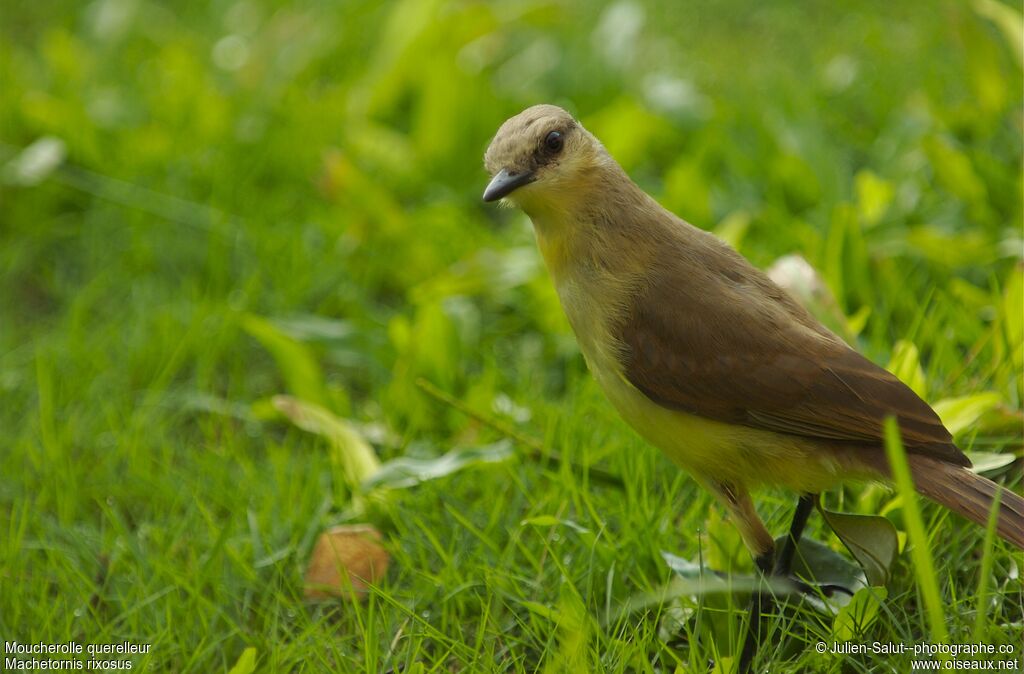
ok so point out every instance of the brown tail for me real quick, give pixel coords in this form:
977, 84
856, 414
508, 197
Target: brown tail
969, 494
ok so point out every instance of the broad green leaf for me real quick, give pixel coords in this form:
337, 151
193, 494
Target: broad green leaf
351, 454
906, 365
854, 618
984, 462
705, 585
819, 564
871, 539
958, 414
246, 663
692, 579
298, 366
682, 567
408, 471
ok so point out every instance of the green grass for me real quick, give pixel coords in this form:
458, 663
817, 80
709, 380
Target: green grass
920, 543
325, 161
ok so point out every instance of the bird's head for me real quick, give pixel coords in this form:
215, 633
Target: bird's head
541, 158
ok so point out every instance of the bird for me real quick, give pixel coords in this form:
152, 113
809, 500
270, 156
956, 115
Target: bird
705, 357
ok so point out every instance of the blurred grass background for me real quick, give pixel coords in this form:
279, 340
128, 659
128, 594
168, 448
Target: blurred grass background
190, 166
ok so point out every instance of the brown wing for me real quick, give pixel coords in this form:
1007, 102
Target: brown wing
741, 351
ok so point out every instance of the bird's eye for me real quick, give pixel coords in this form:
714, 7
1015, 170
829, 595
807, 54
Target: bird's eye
553, 142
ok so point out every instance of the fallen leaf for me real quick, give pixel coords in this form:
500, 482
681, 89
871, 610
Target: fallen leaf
346, 560
351, 452
408, 471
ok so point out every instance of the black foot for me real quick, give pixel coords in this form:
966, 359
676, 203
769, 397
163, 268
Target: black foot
779, 566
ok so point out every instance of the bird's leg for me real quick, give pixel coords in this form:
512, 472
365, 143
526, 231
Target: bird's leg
757, 539
784, 562
770, 564
783, 566
744, 517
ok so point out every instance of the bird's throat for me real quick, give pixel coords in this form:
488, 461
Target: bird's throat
560, 239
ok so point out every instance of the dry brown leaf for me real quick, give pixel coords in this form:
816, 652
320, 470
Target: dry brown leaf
345, 560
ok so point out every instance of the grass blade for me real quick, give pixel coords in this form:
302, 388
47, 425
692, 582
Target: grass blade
986, 566
920, 550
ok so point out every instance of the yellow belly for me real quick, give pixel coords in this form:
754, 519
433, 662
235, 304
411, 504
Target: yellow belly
712, 449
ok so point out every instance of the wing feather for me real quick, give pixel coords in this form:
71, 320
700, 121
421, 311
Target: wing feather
740, 350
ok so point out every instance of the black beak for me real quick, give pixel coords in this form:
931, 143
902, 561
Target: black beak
504, 183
